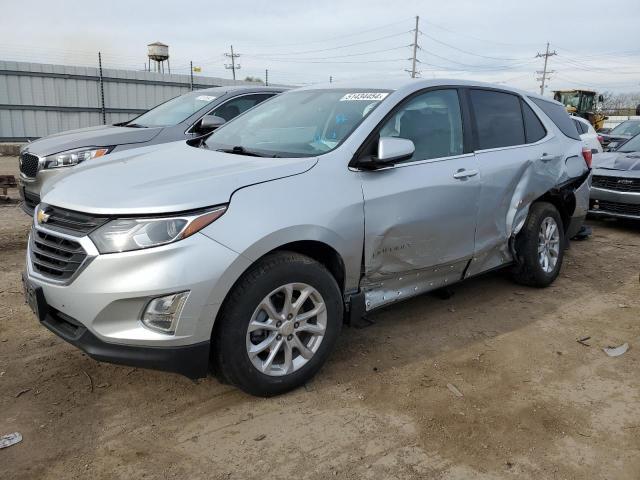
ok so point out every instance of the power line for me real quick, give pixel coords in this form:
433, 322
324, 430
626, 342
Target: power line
371, 52
355, 34
467, 51
477, 38
301, 60
331, 48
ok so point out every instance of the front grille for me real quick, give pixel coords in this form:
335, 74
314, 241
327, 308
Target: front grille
29, 164
615, 207
70, 222
30, 201
55, 257
620, 184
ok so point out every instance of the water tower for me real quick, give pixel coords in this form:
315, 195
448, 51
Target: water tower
158, 53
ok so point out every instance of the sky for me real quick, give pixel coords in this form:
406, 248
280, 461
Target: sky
303, 42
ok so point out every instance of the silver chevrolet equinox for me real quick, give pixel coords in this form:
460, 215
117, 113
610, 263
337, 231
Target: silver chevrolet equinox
247, 253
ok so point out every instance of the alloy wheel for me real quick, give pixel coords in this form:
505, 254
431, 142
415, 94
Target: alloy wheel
286, 329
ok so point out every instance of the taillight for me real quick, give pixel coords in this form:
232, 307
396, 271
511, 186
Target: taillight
600, 139
588, 156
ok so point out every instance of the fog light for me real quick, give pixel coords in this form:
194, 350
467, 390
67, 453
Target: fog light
162, 313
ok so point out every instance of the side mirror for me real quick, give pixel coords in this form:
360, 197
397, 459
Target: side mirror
392, 149
209, 123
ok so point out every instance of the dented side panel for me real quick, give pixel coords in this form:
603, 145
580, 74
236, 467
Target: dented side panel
512, 178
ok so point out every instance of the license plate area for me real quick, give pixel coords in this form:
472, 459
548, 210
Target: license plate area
34, 297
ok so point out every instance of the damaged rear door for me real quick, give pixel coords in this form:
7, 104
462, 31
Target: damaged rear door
518, 160
420, 215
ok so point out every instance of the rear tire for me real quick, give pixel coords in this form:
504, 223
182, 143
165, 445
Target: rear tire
267, 340
540, 246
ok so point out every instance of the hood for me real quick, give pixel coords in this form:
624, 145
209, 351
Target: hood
608, 137
620, 161
170, 178
100, 136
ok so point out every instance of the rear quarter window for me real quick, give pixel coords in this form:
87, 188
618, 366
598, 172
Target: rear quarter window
559, 116
533, 127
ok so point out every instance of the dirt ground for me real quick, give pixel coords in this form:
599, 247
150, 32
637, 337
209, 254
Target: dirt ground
536, 404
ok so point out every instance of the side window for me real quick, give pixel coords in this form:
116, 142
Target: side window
236, 106
532, 125
432, 121
498, 119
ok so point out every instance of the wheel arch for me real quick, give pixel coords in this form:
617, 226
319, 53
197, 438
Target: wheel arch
563, 199
321, 251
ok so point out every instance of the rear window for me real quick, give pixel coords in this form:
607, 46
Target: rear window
498, 119
582, 128
559, 116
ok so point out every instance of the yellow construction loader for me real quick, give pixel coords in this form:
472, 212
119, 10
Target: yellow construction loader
583, 103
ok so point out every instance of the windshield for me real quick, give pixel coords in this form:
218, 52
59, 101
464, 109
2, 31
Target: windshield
298, 123
632, 145
630, 127
569, 99
174, 111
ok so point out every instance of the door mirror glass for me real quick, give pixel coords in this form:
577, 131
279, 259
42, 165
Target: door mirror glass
392, 149
209, 123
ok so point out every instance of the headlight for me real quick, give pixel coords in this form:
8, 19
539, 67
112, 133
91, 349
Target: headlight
74, 157
125, 234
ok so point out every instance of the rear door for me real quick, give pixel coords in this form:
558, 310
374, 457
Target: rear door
420, 214
514, 153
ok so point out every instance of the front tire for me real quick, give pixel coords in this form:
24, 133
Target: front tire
278, 325
540, 246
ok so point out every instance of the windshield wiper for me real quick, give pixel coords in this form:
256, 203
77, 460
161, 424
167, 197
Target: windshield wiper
240, 150
135, 125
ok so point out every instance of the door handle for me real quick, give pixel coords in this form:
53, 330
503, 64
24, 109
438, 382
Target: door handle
546, 158
463, 174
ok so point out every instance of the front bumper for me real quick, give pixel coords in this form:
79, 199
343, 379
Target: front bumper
30, 187
100, 308
189, 360
613, 203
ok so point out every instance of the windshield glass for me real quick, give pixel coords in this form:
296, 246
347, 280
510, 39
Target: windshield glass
298, 123
630, 127
174, 111
632, 145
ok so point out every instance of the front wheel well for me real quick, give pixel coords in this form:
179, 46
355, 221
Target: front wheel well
321, 253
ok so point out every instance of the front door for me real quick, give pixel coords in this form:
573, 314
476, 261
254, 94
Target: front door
420, 215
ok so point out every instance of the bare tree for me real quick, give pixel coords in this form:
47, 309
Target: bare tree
621, 103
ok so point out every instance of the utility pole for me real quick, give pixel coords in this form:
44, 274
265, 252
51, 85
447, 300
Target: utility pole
415, 49
191, 75
102, 109
544, 71
233, 67
266, 77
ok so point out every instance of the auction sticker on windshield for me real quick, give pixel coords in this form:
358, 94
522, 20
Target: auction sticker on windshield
376, 96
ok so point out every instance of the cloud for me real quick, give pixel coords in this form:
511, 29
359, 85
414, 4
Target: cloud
459, 36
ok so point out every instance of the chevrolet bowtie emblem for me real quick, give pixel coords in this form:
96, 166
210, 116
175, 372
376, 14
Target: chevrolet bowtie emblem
43, 217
